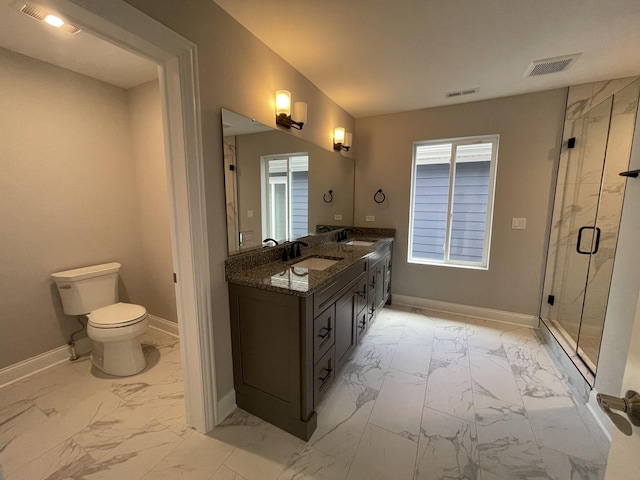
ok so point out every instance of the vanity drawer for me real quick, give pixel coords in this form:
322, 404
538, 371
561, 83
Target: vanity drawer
324, 327
323, 375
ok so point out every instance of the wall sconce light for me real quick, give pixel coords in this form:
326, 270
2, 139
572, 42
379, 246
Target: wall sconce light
341, 140
283, 111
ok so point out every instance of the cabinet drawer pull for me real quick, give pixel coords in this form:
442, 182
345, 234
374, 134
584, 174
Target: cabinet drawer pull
324, 379
326, 333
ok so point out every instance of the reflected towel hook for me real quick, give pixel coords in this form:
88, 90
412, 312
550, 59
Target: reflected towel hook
324, 197
377, 194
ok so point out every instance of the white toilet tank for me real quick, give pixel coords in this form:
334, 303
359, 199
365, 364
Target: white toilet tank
85, 289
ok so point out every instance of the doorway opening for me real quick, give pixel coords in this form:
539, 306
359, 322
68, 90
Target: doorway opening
126, 27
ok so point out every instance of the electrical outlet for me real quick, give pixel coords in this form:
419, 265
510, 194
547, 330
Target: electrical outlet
337, 217
249, 213
518, 223
248, 236
370, 218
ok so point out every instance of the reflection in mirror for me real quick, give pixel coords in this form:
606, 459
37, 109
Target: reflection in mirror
275, 184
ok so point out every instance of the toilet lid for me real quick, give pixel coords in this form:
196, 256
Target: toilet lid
116, 315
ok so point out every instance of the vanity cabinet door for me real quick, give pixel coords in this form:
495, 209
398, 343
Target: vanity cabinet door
346, 337
324, 326
362, 288
375, 279
381, 268
387, 278
362, 321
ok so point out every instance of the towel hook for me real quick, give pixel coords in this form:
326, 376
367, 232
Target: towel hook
324, 197
378, 193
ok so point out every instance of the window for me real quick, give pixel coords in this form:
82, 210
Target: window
452, 201
285, 205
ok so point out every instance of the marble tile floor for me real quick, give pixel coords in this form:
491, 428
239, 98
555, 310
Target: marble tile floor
426, 395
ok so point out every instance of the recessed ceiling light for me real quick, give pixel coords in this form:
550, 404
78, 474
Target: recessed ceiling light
54, 21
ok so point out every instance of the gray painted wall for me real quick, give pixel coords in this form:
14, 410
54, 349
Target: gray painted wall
158, 296
530, 129
69, 190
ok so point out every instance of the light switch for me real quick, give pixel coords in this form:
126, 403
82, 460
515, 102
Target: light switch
518, 223
249, 213
370, 218
337, 217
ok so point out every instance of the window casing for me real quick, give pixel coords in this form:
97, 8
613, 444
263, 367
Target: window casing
452, 193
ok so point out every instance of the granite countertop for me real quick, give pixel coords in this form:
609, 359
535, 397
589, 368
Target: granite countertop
285, 277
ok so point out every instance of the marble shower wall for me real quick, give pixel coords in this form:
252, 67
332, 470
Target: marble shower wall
589, 192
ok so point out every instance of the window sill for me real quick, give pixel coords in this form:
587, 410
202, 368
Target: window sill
451, 265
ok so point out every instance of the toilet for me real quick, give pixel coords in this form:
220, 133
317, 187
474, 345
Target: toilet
114, 327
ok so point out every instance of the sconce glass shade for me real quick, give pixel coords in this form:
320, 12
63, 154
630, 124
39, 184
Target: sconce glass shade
348, 138
338, 135
283, 102
300, 112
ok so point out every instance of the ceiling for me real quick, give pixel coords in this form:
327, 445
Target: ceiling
82, 53
381, 56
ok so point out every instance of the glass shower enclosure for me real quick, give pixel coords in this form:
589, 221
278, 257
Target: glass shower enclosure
598, 131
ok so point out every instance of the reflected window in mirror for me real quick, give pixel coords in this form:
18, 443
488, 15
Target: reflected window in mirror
285, 209
246, 143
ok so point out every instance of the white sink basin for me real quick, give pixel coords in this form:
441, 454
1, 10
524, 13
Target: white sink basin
315, 263
360, 243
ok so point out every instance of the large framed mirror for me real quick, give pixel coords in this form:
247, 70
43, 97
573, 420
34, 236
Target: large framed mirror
278, 186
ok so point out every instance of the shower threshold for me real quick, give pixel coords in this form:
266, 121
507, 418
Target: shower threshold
585, 366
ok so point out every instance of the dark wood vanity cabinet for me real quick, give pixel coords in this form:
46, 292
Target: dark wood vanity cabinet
288, 349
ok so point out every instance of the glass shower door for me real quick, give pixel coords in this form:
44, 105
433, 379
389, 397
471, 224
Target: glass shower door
586, 220
621, 127
578, 192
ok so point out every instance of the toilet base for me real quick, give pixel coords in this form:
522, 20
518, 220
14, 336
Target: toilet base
121, 359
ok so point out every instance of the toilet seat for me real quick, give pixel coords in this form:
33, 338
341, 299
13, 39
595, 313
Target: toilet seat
117, 315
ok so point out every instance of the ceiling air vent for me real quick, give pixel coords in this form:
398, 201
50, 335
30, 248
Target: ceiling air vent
551, 65
459, 93
33, 12
41, 15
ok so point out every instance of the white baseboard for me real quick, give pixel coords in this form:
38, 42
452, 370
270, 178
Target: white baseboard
226, 405
605, 424
41, 362
521, 319
163, 325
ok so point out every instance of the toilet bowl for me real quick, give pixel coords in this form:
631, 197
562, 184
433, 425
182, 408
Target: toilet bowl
113, 326
114, 330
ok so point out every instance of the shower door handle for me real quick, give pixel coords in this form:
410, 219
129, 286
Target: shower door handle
597, 245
